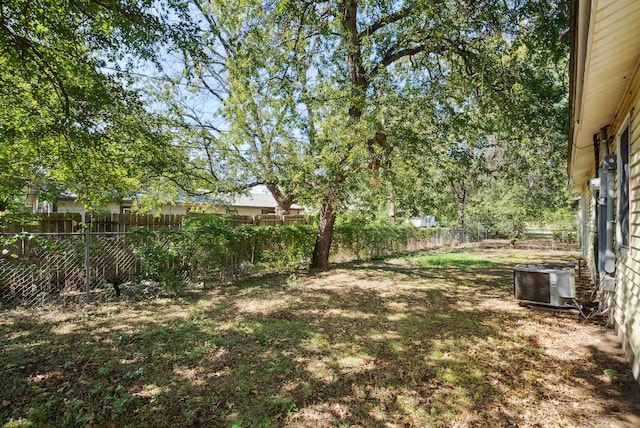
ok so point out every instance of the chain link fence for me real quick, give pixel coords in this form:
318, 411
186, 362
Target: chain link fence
36, 268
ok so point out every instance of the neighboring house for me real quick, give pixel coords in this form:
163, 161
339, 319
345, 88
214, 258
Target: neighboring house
251, 204
426, 221
604, 155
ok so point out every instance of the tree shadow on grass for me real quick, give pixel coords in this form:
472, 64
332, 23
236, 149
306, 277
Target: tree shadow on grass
399, 346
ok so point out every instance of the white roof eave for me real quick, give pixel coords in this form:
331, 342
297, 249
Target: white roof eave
608, 63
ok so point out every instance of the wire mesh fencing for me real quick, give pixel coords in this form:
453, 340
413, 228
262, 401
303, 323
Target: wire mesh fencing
40, 267
89, 265
37, 268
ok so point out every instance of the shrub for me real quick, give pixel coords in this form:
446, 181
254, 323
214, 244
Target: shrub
379, 238
209, 247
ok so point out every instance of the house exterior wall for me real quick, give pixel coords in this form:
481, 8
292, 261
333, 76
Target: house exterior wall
174, 209
76, 207
240, 210
626, 307
69, 207
587, 225
605, 92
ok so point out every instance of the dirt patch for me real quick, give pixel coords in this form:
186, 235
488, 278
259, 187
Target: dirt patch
428, 340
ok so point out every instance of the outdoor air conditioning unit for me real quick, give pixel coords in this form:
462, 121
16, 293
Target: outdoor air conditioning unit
544, 284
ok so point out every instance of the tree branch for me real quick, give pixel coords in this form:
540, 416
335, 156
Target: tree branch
386, 20
29, 48
393, 55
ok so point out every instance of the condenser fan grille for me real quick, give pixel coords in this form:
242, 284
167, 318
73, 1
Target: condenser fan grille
532, 286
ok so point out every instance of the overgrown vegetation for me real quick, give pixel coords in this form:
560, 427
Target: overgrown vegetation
375, 239
209, 247
415, 341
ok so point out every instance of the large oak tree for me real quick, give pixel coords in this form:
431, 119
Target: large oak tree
302, 86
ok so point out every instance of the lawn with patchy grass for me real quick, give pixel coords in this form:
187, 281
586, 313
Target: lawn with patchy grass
431, 339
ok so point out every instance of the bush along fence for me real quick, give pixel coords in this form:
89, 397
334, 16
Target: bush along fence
90, 261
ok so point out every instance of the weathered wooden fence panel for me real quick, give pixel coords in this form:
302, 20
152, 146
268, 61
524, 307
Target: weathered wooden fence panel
294, 219
130, 222
238, 220
268, 220
45, 223
75, 222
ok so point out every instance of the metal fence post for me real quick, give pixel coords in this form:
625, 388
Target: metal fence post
87, 258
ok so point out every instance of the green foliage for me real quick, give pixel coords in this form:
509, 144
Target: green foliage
69, 112
206, 243
615, 376
327, 101
208, 247
302, 89
161, 259
277, 245
370, 240
292, 282
455, 260
561, 219
508, 208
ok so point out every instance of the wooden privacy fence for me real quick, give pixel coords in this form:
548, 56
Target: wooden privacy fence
73, 222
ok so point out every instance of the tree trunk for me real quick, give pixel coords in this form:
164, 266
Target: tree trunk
392, 204
460, 195
355, 66
320, 260
462, 204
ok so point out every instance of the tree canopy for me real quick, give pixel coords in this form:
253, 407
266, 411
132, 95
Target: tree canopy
325, 99
419, 104
69, 113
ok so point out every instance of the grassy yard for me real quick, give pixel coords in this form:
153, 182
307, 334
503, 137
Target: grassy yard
432, 339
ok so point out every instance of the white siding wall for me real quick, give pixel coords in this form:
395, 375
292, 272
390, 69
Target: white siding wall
70, 207
241, 210
626, 309
174, 209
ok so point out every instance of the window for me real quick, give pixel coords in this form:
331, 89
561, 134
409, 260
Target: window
623, 189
